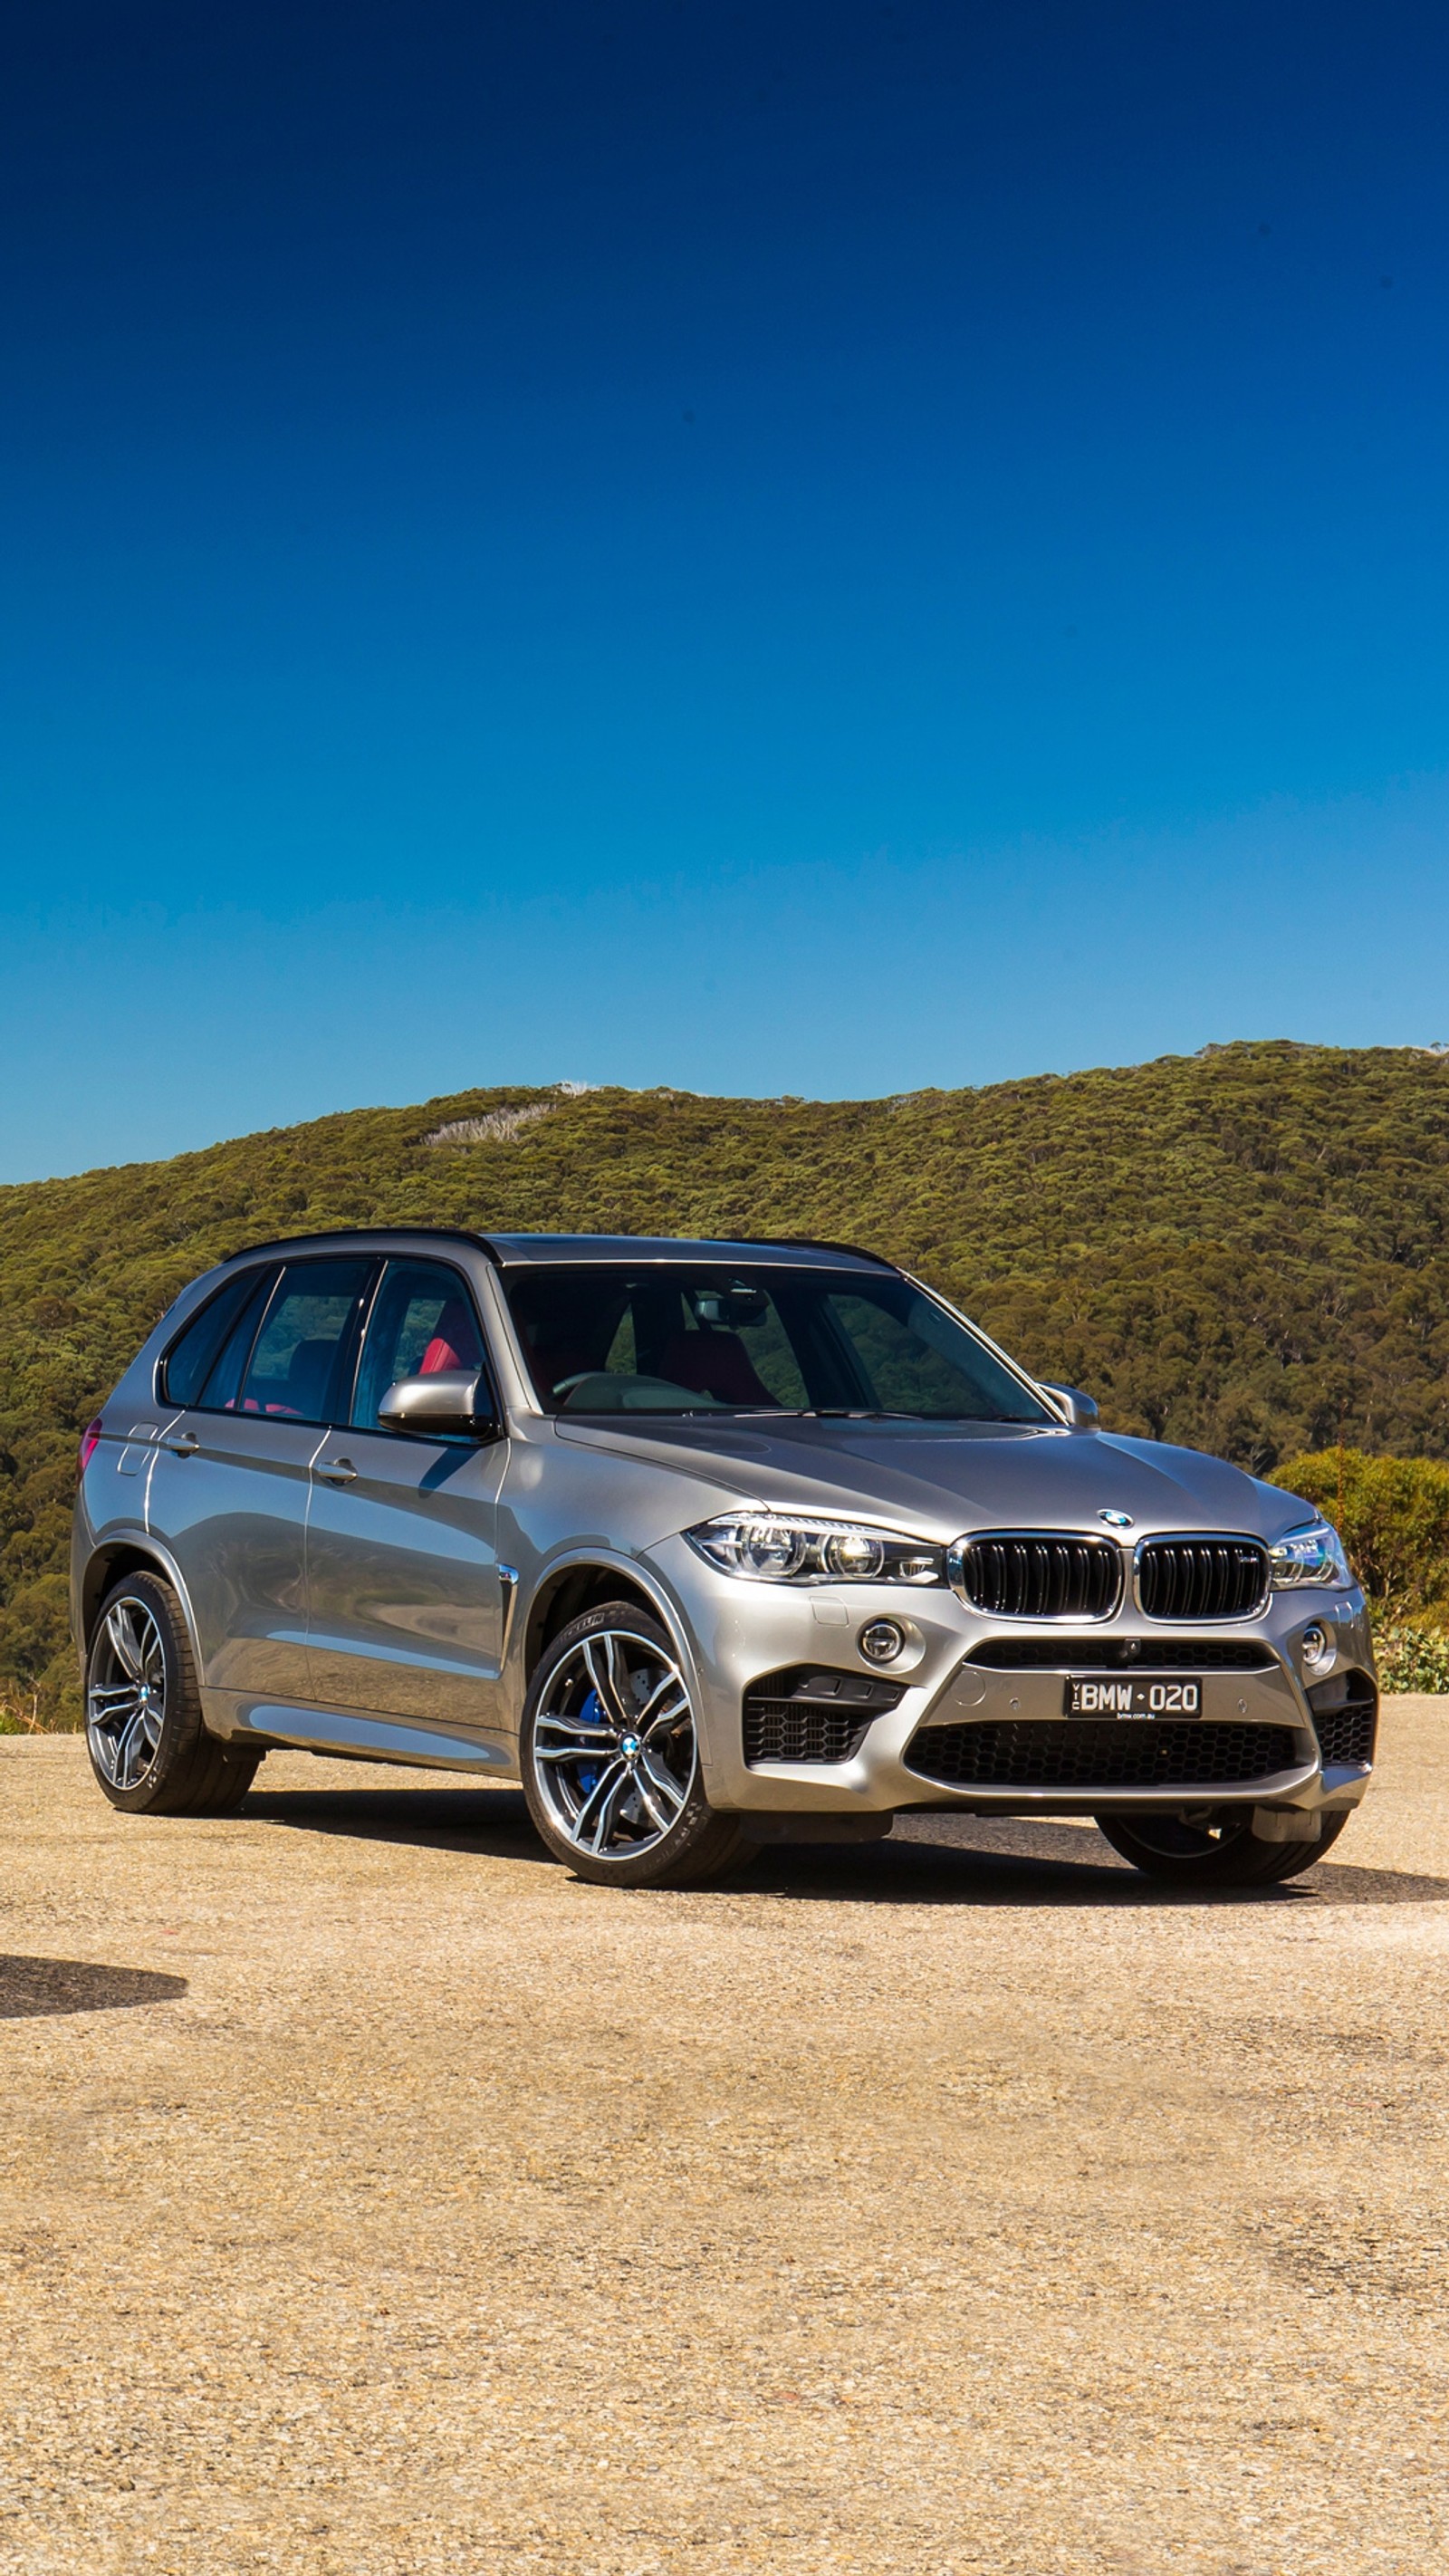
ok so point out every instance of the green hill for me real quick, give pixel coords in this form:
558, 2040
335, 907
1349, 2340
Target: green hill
1246, 1250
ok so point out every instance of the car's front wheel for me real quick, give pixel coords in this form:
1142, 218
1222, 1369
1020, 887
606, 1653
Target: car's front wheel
1222, 1851
609, 1753
149, 1748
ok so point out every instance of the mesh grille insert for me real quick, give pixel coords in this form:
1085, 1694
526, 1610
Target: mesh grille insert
1345, 1717
1041, 1574
1201, 1578
805, 1715
1091, 1753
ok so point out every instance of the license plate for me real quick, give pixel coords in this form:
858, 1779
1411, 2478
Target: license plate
1134, 1697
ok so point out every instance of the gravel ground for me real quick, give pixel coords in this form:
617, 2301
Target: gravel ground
378, 2199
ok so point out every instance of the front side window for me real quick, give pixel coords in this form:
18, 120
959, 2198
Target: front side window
303, 1353
422, 1322
684, 1338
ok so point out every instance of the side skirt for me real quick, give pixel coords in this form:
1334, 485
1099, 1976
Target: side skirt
372, 1739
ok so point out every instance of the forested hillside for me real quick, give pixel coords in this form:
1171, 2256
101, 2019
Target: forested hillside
1246, 1250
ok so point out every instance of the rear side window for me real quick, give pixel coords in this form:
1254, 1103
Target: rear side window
304, 1352
224, 1377
197, 1349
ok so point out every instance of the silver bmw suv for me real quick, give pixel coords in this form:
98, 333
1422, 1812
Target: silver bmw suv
707, 1544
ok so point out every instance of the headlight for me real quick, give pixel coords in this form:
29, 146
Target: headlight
776, 1547
1312, 1555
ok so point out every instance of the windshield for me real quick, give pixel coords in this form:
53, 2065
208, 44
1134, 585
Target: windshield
674, 1337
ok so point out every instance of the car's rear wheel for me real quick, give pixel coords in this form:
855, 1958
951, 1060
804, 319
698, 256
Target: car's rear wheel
609, 1754
1218, 1851
149, 1749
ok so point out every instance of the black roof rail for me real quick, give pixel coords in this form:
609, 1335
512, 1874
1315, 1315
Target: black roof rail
365, 1233
822, 1243
481, 1243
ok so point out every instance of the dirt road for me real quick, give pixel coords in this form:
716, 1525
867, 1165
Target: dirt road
379, 2201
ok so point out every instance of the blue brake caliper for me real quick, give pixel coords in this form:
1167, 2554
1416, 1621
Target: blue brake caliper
590, 1770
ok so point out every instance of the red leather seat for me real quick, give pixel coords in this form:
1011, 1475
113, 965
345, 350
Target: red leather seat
714, 1363
454, 1344
309, 1371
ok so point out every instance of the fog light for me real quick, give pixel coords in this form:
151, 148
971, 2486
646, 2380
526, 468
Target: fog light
881, 1642
1316, 1647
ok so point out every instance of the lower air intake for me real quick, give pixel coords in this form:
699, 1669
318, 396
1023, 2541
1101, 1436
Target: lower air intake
805, 1715
1345, 1717
1088, 1754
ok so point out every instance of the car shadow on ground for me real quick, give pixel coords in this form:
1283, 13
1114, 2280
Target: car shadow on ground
30, 1988
929, 1859
970, 1860
439, 1819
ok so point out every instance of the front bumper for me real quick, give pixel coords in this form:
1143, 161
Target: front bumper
742, 1632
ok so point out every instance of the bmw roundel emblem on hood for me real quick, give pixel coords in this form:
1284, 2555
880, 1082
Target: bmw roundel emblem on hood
1116, 1520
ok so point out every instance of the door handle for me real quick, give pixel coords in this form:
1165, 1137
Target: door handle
338, 1471
185, 1445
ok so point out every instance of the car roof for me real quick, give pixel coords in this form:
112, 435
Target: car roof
522, 1251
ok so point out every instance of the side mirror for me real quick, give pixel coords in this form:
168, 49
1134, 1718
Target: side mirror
454, 1404
1080, 1410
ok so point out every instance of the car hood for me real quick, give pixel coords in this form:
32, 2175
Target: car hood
945, 1478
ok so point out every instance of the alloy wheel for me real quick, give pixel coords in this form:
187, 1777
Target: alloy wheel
614, 1751
126, 1695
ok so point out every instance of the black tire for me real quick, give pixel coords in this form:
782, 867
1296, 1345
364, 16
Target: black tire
1226, 1853
1302, 1856
621, 1804
149, 1764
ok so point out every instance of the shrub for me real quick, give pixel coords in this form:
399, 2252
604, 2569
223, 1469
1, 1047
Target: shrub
1411, 1657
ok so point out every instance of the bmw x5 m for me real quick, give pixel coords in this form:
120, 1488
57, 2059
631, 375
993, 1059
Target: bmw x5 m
707, 1544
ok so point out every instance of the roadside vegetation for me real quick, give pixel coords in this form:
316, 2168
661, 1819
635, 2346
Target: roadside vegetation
1246, 1250
1393, 1515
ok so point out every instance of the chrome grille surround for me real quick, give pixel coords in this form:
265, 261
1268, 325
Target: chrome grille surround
1197, 1574
1043, 1575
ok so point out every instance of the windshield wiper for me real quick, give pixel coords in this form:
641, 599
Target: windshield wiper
864, 1413
849, 1413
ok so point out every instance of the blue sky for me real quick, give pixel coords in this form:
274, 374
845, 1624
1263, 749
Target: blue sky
763, 548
